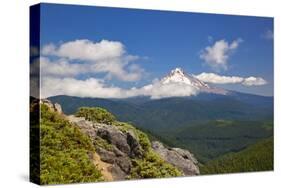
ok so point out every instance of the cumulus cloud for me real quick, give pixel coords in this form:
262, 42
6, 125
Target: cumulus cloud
61, 67
92, 87
86, 50
97, 88
158, 90
254, 81
85, 56
218, 79
217, 56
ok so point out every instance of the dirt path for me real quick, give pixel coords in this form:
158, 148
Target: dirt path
103, 167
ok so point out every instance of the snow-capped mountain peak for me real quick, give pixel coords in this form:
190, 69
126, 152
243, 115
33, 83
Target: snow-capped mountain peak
178, 75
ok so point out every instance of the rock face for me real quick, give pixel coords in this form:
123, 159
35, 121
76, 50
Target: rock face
180, 158
53, 107
118, 156
124, 146
114, 137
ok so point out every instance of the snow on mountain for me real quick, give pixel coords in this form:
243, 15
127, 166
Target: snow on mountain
177, 75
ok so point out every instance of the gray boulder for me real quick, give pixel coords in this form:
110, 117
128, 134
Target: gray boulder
114, 137
182, 159
135, 147
117, 172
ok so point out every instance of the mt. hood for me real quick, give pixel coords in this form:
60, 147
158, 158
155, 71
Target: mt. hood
178, 76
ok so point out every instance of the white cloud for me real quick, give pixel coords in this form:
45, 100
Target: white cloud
218, 79
84, 88
158, 90
61, 67
217, 56
86, 50
97, 88
84, 56
254, 81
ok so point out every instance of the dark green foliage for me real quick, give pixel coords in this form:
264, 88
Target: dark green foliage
257, 157
164, 113
65, 152
96, 114
211, 139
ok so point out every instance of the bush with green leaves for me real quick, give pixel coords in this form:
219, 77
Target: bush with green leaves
65, 152
152, 166
96, 114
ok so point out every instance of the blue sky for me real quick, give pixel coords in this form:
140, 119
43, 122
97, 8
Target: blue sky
162, 40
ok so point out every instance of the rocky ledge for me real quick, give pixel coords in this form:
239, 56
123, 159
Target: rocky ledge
117, 148
125, 146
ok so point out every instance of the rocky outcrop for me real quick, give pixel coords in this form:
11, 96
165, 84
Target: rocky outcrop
118, 156
180, 158
135, 147
53, 107
125, 146
115, 137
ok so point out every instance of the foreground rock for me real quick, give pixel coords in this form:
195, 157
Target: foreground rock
124, 146
118, 155
180, 158
53, 107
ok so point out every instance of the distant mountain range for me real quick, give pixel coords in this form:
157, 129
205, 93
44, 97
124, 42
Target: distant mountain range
173, 119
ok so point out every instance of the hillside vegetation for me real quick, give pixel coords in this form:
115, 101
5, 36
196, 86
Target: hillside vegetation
257, 157
64, 152
212, 139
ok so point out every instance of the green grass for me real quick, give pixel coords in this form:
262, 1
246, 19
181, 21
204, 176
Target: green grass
257, 157
65, 152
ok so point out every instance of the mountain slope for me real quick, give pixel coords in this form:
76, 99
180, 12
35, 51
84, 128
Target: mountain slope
257, 157
176, 119
64, 152
97, 147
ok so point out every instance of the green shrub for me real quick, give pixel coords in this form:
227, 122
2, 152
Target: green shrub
99, 142
152, 166
65, 153
96, 114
